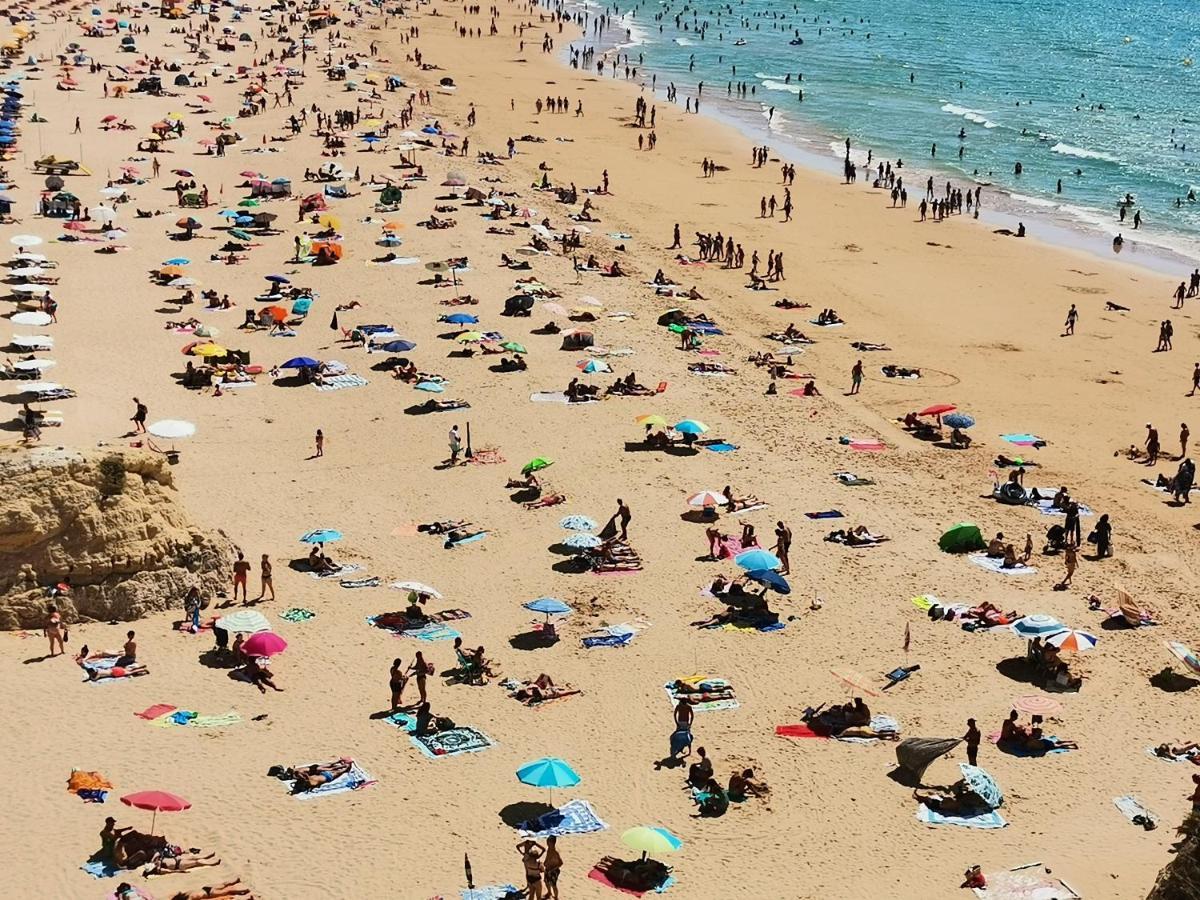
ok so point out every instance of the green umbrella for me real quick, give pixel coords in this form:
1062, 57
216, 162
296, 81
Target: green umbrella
249, 203
536, 465
514, 347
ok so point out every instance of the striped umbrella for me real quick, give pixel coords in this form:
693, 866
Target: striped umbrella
1071, 641
706, 498
1037, 625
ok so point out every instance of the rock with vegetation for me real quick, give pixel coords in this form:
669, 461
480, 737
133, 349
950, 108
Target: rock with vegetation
108, 525
1180, 878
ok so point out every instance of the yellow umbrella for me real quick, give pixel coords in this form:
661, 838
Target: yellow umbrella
653, 419
209, 350
371, 123
174, 115
330, 221
469, 336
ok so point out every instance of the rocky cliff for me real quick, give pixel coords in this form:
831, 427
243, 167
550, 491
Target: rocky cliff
1180, 878
110, 524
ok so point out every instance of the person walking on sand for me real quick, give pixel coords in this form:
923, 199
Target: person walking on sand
455, 445
1152, 445
268, 583
54, 631
1184, 434
972, 738
320, 442
1195, 380
675, 245
856, 377
139, 416
552, 864
783, 543
241, 573
623, 515
1072, 318
1070, 560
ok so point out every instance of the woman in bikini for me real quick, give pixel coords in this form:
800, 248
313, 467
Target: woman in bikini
233, 888
531, 857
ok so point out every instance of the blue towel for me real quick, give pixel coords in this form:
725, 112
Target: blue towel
1052, 747
680, 740
607, 640
98, 868
825, 514
469, 539
491, 892
576, 817
989, 819
722, 447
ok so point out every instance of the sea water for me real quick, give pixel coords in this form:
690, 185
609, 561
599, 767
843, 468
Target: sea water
1098, 94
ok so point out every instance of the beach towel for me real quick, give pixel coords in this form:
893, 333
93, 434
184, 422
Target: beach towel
867, 445
1132, 808
752, 508
770, 626
353, 780
597, 875
345, 569
1023, 440
730, 546
1049, 743
469, 539
720, 447
435, 631
825, 514
798, 731
548, 397
997, 565
710, 685
880, 726
852, 480
484, 456
1153, 754
100, 869
607, 640
988, 819
402, 720
490, 892
90, 787
1043, 506
452, 742
1028, 882
297, 614
576, 817
352, 583
151, 713
218, 721
340, 382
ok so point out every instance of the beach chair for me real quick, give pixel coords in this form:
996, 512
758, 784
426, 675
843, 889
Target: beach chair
301, 307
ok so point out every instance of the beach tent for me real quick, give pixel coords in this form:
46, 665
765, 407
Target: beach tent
181, 80
391, 195
962, 538
578, 340
915, 755
518, 305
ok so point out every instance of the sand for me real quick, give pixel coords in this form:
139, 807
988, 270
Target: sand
979, 314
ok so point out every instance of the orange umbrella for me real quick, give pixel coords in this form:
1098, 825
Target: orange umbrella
278, 313
170, 270
392, 226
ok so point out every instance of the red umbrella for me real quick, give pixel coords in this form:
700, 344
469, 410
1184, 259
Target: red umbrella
109, 118
938, 409
265, 643
156, 801
205, 98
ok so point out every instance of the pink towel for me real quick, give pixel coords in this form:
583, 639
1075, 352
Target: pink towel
798, 731
156, 711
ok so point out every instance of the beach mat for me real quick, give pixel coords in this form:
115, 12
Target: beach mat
100, 869
575, 817
340, 571
151, 713
597, 875
353, 780
1029, 882
548, 397
798, 731
989, 819
341, 382
297, 614
1131, 807
490, 892
452, 742
1026, 753
996, 565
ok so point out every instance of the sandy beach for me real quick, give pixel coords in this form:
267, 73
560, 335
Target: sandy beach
980, 315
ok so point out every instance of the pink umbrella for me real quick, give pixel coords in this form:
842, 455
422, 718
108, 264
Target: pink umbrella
156, 801
75, 226
205, 98
265, 643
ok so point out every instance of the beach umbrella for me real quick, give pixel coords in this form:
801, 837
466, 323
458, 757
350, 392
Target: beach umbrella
182, 282
416, 587
300, 362
514, 347
278, 279
177, 261
265, 643
938, 409
771, 579
690, 426
33, 341
958, 420
156, 801
208, 331
549, 772
1037, 705
756, 559
31, 318
330, 221
24, 240
1185, 655
229, 214
855, 680
582, 542
1071, 641
592, 366
650, 839
555, 309
536, 465
551, 606
983, 784
209, 349
460, 319
398, 346
244, 621
34, 365
577, 523
915, 755
30, 289
278, 313
431, 387
171, 429
321, 536
962, 538
40, 387
652, 419
468, 337
104, 213
705, 499
1036, 625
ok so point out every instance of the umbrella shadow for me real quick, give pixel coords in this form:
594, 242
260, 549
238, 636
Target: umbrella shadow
698, 516
218, 659
561, 549
1172, 682
1115, 623
515, 814
576, 565
525, 495
1018, 669
532, 640
291, 381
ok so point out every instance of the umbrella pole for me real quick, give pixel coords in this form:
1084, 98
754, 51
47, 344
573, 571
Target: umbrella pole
469, 454
153, 819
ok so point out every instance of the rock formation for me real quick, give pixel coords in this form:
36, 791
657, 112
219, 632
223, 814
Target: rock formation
110, 525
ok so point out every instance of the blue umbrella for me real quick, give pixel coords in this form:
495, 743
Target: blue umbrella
982, 784
321, 536
397, 346
460, 319
690, 426
756, 560
432, 386
278, 279
583, 541
593, 365
958, 420
229, 214
551, 606
177, 261
550, 772
371, 139
577, 523
771, 579
300, 362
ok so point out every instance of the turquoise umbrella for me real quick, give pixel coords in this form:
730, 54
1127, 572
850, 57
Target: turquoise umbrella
756, 560
549, 772
690, 426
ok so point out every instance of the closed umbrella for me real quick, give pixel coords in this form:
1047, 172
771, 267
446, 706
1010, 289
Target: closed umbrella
264, 643
651, 839
321, 536
157, 801
244, 621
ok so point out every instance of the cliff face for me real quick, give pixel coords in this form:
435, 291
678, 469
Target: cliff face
110, 522
1180, 878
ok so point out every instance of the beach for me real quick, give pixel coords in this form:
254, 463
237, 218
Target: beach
981, 315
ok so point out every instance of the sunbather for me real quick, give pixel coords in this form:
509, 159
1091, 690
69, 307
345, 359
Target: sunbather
744, 785
162, 864
963, 801
548, 500
259, 676
1166, 751
542, 689
233, 888
432, 405
320, 563
716, 802
308, 778
132, 670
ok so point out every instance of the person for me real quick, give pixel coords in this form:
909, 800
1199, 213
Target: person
139, 417
192, 604
716, 802
455, 445
129, 652
1064, 680
1103, 535
856, 377
552, 865
743, 785
420, 670
161, 864
972, 738
1072, 318
316, 775
1195, 798
1152, 445
55, 632
397, 681
260, 676
233, 888
531, 858
684, 715
1010, 730
241, 571
1184, 434
1070, 561
783, 543
700, 772
268, 583
1071, 525
110, 834
623, 515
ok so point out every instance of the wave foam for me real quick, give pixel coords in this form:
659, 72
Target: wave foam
971, 115
1082, 152
781, 86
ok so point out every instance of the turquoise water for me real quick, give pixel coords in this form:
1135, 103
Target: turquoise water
1099, 94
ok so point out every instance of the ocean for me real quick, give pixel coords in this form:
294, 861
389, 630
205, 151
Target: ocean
1099, 95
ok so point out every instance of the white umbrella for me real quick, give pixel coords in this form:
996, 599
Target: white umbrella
32, 340
590, 301
244, 621
30, 257
171, 429
31, 318
182, 282
104, 213
28, 272
25, 240
40, 387
208, 331
582, 229
34, 365
112, 192
30, 289
417, 588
